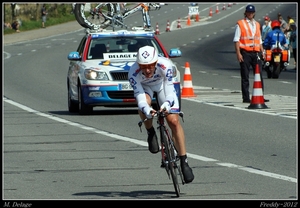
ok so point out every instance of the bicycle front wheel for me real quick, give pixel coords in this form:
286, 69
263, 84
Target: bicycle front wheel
95, 18
171, 157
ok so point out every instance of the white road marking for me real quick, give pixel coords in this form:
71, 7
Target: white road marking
259, 172
143, 143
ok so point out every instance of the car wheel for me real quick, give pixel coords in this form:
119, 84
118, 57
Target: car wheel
83, 108
72, 105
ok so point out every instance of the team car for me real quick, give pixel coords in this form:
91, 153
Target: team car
98, 70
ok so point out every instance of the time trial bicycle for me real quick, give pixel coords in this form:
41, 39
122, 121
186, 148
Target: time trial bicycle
170, 158
110, 14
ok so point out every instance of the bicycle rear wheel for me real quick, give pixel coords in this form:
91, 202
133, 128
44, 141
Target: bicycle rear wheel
93, 19
171, 157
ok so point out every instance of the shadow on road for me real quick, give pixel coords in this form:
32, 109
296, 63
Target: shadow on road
141, 194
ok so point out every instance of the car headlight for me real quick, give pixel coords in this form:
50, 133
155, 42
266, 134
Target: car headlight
174, 71
95, 75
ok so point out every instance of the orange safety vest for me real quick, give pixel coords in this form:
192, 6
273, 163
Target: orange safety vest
248, 42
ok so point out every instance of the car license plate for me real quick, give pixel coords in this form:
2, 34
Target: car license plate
126, 86
277, 58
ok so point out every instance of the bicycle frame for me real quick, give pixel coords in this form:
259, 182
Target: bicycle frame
114, 16
145, 13
164, 132
168, 150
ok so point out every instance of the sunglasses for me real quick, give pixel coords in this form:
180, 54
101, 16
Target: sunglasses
147, 66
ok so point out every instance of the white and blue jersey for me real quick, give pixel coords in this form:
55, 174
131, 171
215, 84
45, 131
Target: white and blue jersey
161, 83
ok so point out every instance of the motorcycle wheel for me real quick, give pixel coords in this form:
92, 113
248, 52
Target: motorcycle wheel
276, 70
89, 20
269, 72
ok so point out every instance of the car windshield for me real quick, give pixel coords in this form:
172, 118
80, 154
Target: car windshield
100, 46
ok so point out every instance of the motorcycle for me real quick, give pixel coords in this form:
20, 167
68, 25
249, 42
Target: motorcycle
276, 60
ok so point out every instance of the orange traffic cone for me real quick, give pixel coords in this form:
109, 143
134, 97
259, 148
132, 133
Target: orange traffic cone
224, 7
156, 29
197, 18
210, 12
187, 89
168, 27
217, 9
178, 23
188, 20
257, 99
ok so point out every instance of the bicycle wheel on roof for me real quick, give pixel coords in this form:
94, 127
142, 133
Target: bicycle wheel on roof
95, 17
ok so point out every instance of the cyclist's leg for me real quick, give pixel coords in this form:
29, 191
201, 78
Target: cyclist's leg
174, 122
178, 136
152, 137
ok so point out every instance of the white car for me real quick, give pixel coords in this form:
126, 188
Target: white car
98, 70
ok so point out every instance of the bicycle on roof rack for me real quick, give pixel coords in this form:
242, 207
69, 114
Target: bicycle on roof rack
110, 14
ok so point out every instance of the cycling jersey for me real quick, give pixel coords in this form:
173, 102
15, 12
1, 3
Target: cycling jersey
161, 82
272, 38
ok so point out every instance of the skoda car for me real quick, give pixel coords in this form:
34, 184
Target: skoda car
98, 70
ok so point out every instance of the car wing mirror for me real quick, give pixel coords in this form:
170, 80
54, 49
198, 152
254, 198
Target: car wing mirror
174, 52
74, 56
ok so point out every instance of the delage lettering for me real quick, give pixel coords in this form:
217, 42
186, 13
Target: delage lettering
112, 56
21, 204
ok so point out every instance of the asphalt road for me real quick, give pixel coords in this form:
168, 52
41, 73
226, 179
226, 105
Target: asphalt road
235, 153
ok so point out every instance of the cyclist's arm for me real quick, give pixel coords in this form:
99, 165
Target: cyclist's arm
138, 90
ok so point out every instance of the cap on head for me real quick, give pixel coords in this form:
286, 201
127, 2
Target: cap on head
275, 23
250, 8
147, 55
267, 18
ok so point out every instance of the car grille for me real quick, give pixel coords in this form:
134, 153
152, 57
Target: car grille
119, 75
121, 94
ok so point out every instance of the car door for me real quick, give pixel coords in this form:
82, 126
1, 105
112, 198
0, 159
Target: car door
74, 68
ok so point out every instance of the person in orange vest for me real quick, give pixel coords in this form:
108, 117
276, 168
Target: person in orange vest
249, 50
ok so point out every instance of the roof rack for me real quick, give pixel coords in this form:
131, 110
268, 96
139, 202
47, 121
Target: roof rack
88, 30
135, 28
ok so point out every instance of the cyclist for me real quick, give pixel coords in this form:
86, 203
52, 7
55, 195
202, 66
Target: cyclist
275, 36
150, 74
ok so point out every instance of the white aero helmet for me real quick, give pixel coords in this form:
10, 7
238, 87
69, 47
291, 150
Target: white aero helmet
147, 55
